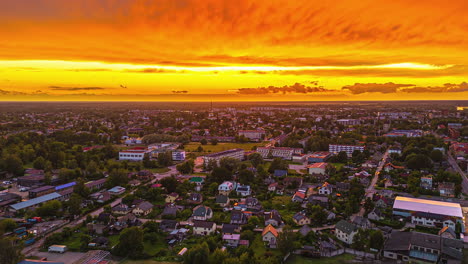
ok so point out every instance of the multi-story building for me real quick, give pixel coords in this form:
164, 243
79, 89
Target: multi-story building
279, 152
429, 212
178, 155
404, 133
135, 154
348, 122
321, 156
40, 191
231, 153
346, 148
252, 135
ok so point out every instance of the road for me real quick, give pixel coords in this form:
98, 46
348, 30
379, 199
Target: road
371, 188
34, 248
455, 166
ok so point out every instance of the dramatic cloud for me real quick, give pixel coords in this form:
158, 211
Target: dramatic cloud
446, 88
60, 88
359, 88
295, 88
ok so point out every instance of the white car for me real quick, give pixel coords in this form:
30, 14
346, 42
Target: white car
24, 189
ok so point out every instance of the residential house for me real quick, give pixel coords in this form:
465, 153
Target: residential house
301, 219
101, 197
376, 214
226, 187
319, 200
360, 222
345, 231
389, 167
168, 225
222, 200
172, 197
229, 229
272, 187
269, 235
293, 182
170, 210
231, 240
298, 197
243, 190
202, 213
317, 168
426, 182
204, 228
121, 209
198, 181
447, 189
117, 190
325, 189
195, 198
272, 218
447, 232
143, 209
238, 217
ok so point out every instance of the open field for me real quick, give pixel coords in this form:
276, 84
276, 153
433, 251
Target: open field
192, 146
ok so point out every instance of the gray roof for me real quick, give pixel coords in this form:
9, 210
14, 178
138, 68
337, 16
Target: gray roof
202, 211
398, 241
145, 206
346, 227
36, 201
221, 199
203, 224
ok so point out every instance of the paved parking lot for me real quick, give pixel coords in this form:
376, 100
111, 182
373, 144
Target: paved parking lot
67, 257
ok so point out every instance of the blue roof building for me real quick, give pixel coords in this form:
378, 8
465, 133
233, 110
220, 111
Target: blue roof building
35, 201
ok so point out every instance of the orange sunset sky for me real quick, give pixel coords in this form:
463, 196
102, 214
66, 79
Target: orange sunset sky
233, 50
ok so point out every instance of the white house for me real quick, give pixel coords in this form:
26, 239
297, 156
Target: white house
226, 187
317, 168
325, 189
345, 231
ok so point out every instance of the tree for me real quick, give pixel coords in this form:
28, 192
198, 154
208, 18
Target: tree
170, 183
245, 176
39, 163
203, 141
361, 240
220, 175
165, 159
81, 189
50, 208
7, 225
84, 239
10, 251
286, 240
436, 155
229, 163
376, 239
368, 204
198, 254
130, 243
118, 177
74, 204
256, 159
278, 164
214, 142
14, 165
418, 161
186, 167
342, 157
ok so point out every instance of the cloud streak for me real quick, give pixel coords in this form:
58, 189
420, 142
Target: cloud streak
287, 89
61, 88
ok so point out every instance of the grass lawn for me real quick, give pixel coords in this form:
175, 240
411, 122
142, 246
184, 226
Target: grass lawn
159, 170
152, 249
338, 166
341, 259
192, 146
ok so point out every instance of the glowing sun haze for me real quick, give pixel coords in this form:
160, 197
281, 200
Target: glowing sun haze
233, 50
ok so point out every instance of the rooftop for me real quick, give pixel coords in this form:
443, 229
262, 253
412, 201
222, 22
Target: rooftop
428, 206
36, 201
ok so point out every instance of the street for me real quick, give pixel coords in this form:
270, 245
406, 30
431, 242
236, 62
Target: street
455, 166
371, 188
